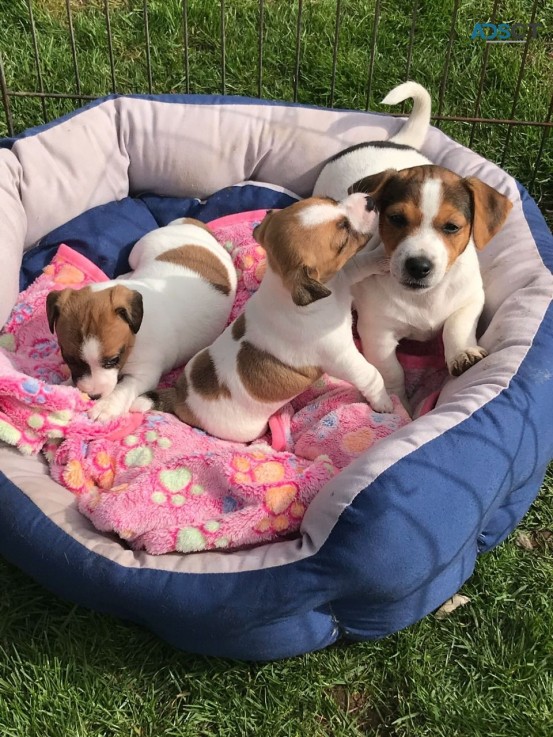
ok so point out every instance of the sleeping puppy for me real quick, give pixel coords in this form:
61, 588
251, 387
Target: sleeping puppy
295, 327
432, 222
119, 337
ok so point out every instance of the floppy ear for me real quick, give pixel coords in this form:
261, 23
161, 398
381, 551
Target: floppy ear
127, 303
305, 289
490, 210
259, 230
373, 185
54, 302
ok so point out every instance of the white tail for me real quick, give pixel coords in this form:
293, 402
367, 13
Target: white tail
415, 128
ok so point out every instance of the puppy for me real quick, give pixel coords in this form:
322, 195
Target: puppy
432, 222
119, 337
294, 328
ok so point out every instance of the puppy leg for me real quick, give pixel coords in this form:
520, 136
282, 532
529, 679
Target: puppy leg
121, 399
350, 366
459, 336
368, 264
380, 350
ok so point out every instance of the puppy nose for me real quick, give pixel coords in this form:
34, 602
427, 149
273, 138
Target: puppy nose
418, 267
94, 397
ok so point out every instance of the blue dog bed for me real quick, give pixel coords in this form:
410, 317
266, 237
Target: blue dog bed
396, 533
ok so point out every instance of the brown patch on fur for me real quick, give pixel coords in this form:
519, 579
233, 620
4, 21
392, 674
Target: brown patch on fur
465, 360
491, 209
203, 376
268, 379
203, 262
307, 257
239, 327
193, 221
112, 315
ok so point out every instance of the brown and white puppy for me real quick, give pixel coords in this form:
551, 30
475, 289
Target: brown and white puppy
294, 328
432, 222
119, 337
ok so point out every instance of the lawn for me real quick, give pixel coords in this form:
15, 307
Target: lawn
487, 669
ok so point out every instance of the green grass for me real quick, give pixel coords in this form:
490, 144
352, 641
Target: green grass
488, 668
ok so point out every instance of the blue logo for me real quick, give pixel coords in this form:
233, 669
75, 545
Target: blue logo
514, 33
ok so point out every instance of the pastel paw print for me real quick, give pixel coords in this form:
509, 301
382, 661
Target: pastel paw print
249, 471
173, 485
69, 275
43, 347
357, 441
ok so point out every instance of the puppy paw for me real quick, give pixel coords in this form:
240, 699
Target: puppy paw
108, 408
382, 403
463, 361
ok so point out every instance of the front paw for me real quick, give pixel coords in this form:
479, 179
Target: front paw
382, 403
464, 360
108, 408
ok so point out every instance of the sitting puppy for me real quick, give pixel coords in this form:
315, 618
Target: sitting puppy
119, 337
295, 327
431, 222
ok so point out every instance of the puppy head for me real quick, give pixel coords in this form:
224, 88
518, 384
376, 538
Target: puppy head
96, 332
308, 242
428, 215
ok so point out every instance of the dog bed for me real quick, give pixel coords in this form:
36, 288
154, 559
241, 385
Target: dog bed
395, 533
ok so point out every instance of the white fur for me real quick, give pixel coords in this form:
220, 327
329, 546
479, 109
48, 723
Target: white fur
350, 167
100, 381
183, 313
387, 310
319, 334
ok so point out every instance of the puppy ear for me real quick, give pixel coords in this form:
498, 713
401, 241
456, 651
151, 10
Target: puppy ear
306, 289
259, 230
373, 185
127, 303
54, 303
490, 210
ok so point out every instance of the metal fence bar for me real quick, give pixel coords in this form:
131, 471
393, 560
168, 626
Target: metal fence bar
6, 99
110, 45
516, 93
411, 43
223, 49
260, 48
37, 57
147, 39
448, 118
445, 73
482, 77
298, 43
73, 46
335, 50
546, 128
185, 46
373, 50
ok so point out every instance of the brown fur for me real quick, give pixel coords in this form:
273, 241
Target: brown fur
306, 258
202, 261
113, 316
239, 327
193, 221
203, 376
268, 379
472, 205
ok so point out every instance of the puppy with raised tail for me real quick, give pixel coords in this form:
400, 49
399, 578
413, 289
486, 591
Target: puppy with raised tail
297, 325
119, 337
432, 222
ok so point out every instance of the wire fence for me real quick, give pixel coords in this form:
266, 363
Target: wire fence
493, 94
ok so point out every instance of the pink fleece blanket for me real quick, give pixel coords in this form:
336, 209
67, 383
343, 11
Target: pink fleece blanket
159, 484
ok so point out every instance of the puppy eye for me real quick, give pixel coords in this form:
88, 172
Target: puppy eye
397, 219
451, 228
109, 363
344, 224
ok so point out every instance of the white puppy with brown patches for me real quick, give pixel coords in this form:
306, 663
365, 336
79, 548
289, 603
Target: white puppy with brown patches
432, 222
297, 325
119, 337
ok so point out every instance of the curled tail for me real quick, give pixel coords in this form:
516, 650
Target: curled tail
415, 128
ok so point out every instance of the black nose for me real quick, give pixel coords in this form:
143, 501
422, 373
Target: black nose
94, 397
418, 267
